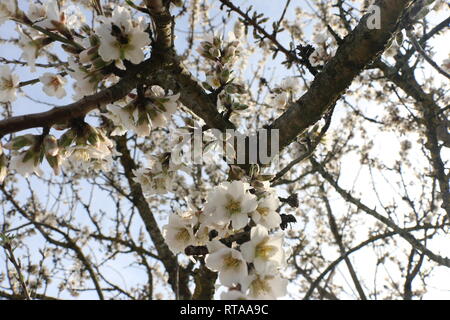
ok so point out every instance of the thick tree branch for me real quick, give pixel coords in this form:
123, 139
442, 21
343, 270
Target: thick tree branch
134, 76
358, 49
178, 278
179, 79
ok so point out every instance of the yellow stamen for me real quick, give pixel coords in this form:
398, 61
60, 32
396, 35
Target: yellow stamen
233, 206
265, 251
263, 211
183, 235
231, 263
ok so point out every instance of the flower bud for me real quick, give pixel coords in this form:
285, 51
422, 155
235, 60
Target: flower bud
86, 28
214, 52
67, 138
51, 145
92, 135
55, 163
70, 49
20, 142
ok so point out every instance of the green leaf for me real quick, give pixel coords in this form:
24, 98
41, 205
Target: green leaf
20, 142
239, 106
67, 139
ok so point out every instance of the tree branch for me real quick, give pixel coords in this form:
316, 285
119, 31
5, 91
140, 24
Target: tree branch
358, 49
178, 278
134, 76
402, 232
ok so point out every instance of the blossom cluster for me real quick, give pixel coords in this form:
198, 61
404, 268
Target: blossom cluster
249, 268
243, 210
221, 54
324, 50
95, 57
152, 109
285, 93
84, 147
81, 146
118, 40
157, 177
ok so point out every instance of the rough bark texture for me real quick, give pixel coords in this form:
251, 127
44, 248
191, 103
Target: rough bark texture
357, 50
205, 280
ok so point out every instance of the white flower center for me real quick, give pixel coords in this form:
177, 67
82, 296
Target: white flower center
233, 206
265, 251
230, 262
183, 235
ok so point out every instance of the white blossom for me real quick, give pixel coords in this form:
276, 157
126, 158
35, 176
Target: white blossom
141, 118
318, 57
120, 39
89, 156
83, 84
266, 213
75, 17
36, 12
123, 119
446, 65
156, 179
160, 105
51, 15
9, 83
53, 85
239, 30
51, 145
290, 84
264, 251
217, 145
31, 44
178, 233
265, 287
126, 118
80, 156
279, 100
229, 263
233, 295
231, 201
321, 37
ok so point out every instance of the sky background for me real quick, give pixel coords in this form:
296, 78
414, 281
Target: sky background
386, 145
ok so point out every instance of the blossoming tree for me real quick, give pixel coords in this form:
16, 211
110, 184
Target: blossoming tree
122, 174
